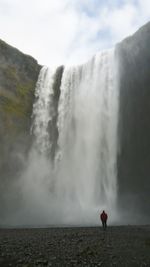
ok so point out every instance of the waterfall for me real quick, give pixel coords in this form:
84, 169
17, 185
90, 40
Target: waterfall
83, 180
43, 109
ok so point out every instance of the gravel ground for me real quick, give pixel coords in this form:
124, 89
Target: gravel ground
79, 246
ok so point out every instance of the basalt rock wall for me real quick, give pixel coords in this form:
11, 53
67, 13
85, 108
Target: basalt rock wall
134, 122
18, 77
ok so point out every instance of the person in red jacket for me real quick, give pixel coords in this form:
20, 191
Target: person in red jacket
104, 217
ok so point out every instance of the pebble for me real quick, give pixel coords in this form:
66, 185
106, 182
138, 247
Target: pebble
74, 247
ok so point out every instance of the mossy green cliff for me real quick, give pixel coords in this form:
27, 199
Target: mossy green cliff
18, 77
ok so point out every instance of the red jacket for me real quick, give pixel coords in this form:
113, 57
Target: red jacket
103, 216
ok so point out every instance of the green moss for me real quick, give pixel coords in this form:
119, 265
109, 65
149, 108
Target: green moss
15, 118
24, 90
21, 85
13, 107
16, 108
10, 73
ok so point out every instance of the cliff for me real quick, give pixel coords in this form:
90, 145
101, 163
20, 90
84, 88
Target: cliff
134, 123
18, 76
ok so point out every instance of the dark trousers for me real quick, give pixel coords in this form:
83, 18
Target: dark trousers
104, 224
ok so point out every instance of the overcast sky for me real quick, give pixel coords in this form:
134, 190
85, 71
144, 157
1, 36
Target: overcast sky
69, 31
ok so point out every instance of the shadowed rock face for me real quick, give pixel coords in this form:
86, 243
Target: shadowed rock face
134, 121
18, 76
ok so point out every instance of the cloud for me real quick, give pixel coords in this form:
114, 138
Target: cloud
69, 31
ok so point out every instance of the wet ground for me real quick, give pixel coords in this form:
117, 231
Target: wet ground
118, 246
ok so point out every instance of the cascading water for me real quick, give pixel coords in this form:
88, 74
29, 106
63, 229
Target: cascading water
43, 109
83, 180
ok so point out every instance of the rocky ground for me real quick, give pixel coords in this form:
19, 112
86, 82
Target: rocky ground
118, 246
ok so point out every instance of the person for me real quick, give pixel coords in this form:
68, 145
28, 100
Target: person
104, 217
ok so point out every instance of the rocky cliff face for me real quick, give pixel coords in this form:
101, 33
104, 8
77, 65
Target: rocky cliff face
134, 123
18, 76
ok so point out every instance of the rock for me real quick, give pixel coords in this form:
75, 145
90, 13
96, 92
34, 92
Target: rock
100, 263
134, 131
20, 261
42, 262
18, 77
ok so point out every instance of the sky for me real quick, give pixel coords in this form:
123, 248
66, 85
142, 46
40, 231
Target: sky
59, 32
